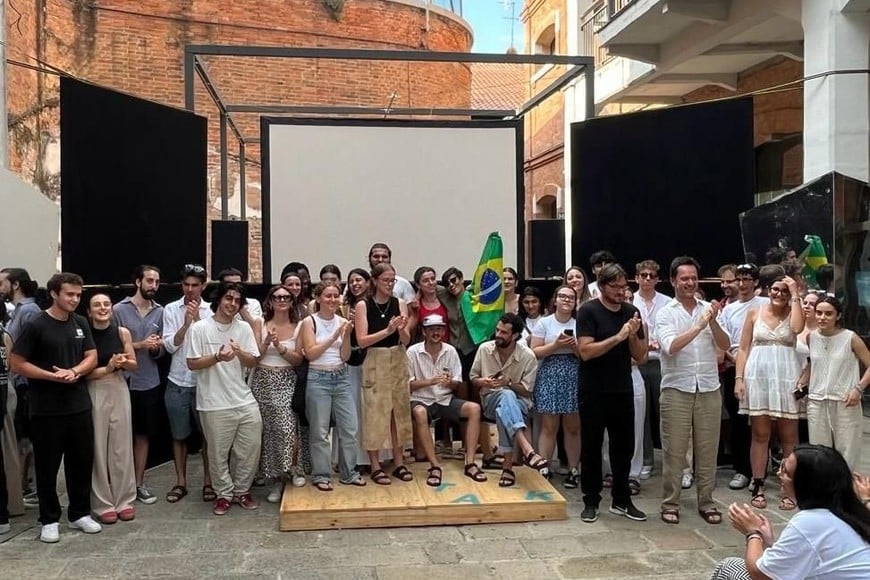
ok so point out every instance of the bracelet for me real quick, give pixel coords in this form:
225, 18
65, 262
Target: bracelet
858, 388
754, 535
217, 357
738, 378
795, 299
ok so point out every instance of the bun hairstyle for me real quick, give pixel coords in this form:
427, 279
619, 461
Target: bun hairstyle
27, 286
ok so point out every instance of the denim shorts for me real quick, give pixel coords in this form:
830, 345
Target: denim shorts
181, 410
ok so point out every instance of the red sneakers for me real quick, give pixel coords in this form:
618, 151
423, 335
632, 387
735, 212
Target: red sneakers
247, 502
127, 514
221, 506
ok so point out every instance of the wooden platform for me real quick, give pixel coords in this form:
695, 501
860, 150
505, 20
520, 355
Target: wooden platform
459, 500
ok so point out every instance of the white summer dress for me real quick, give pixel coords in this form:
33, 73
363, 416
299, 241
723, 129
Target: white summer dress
771, 373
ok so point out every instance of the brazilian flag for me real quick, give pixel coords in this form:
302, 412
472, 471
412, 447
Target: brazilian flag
813, 256
483, 303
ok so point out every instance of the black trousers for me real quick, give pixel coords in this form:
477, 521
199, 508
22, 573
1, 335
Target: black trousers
651, 371
71, 438
740, 435
615, 413
4, 493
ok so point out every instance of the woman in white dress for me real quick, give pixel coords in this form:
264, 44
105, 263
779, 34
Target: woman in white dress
767, 370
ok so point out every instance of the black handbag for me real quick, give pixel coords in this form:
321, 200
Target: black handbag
357, 353
297, 401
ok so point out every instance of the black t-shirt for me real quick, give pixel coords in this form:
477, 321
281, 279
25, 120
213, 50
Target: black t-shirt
47, 343
610, 372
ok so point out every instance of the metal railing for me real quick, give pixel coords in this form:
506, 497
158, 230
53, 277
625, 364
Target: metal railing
614, 7
454, 6
589, 36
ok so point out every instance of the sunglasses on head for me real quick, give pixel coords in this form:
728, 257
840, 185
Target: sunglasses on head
193, 269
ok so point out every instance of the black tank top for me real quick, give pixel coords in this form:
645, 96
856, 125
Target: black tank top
108, 342
378, 316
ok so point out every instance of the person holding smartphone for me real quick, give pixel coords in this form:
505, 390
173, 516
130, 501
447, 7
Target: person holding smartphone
555, 394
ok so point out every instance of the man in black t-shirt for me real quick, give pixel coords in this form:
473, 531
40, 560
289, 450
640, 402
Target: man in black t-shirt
54, 352
610, 334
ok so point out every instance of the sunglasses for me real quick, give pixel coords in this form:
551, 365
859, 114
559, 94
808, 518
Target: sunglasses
453, 280
282, 297
193, 269
648, 275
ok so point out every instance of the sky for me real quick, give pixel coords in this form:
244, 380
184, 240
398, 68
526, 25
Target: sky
491, 21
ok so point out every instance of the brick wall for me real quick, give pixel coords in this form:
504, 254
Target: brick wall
138, 46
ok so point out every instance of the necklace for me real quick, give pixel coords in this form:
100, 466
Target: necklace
383, 311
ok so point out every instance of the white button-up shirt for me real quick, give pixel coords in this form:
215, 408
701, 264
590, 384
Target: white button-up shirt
649, 316
173, 319
421, 366
694, 368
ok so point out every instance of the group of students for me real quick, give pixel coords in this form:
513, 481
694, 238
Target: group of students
381, 359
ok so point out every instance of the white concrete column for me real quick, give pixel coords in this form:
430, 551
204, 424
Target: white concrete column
836, 107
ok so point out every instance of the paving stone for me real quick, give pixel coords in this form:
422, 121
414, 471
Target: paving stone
484, 531
491, 551
555, 547
722, 535
425, 535
49, 566
677, 539
525, 569
606, 566
329, 557
669, 562
614, 543
429, 572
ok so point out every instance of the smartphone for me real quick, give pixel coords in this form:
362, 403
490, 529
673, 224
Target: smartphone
568, 332
496, 375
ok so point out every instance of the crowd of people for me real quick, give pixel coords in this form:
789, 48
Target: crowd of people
598, 375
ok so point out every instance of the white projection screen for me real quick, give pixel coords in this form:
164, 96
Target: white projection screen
431, 190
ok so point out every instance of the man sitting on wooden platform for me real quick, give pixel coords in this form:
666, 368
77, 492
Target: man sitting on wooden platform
435, 372
505, 374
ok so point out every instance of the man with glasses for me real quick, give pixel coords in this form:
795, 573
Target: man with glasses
648, 301
731, 320
610, 334
143, 317
180, 395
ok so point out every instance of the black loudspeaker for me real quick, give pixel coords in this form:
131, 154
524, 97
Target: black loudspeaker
133, 185
229, 246
548, 248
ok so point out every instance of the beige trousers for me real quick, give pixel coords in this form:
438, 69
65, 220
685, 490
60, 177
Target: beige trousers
385, 389
11, 456
234, 439
833, 424
685, 417
113, 482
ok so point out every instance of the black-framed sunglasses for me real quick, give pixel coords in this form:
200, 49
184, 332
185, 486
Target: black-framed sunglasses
648, 275
282, 297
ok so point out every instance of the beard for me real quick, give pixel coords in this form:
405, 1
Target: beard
147, 294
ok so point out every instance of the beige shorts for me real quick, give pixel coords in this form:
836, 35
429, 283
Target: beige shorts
385, 393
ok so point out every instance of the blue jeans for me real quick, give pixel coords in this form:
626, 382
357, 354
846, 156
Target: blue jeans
509, 413
328, 394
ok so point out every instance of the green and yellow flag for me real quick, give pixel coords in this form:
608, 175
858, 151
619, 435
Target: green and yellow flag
813, 256
483, 303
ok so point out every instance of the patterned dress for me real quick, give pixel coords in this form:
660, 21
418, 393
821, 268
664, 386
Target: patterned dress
273, 382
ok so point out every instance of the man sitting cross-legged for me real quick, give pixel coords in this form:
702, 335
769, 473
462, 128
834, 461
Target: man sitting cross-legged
505, 371
435, 372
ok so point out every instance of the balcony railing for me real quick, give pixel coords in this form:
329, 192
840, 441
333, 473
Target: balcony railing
614, 7
589, 35
454, 6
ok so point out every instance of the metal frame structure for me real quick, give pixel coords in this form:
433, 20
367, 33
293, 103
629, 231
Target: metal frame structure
194, 67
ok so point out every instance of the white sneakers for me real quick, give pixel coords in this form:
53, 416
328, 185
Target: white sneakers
50, 533
5, 528
87, 525
275, 492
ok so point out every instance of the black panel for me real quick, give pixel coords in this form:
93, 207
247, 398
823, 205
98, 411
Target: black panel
547, 248
663, 183
133, 184
229, 246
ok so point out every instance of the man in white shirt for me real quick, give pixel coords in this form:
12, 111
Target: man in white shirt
180, 396
217, 349
381, 252
731, 320
649, 301
691, 403
435, 373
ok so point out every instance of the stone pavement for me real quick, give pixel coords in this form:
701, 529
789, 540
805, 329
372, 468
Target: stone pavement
185, 540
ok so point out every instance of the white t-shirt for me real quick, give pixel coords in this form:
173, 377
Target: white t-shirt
593, 289
549, 329
817, 544
403, 289
733, 316
220, 386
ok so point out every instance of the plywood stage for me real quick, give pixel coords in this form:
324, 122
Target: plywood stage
458, 500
